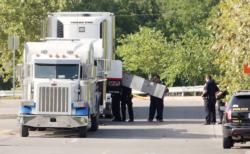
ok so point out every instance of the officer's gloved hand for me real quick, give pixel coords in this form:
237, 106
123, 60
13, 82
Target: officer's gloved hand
131, 96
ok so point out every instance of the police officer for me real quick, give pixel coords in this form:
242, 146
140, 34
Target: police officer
209, 96
127, 101
156, 104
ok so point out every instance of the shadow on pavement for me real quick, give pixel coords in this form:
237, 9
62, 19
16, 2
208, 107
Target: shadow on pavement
172, 115
123, 133
152, 133
173, 112
144, 122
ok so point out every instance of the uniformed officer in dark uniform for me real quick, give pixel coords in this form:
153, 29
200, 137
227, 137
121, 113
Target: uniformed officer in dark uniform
156, 104
209, 96
127, 101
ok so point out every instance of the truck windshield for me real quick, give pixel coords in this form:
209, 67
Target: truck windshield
56, 71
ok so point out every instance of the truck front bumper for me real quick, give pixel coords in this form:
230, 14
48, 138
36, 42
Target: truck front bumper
54, 121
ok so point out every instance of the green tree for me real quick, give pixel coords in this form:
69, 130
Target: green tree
141, 52
188, 59
22, 18
130, 14
178, 21
230, 22
180, 16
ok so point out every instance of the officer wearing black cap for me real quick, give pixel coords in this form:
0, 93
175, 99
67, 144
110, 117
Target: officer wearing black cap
156, 104
209, 96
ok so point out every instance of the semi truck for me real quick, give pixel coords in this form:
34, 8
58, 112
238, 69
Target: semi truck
69, 75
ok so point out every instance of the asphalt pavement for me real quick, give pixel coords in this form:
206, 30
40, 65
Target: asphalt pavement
182, 132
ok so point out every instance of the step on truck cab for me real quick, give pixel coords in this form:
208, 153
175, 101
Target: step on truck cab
65, 75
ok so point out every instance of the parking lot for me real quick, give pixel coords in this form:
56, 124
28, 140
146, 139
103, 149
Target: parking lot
181, 132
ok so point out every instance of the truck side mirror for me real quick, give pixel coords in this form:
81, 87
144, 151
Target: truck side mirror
88, 71
103, 67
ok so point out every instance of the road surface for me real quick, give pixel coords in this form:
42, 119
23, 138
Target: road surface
181, 132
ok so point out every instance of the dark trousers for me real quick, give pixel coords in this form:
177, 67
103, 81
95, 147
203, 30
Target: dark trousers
210, 110
124, 105
156, 106
116, 106
221, 112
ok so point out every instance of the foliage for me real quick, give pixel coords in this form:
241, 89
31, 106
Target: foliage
22, 18
231, 25
142, 51
187, 58
168, 37
180, 16
130, 14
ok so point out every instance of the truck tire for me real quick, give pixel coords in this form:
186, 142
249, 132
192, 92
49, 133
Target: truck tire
24, 131
227, 142
83, 132
94, 123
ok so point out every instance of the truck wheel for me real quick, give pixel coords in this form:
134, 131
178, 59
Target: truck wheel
24, 131
83, 132
227, 142
94, 123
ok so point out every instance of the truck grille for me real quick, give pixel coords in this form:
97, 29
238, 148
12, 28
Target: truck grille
53, 99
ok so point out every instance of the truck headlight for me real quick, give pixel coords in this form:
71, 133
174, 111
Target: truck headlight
81, 108
82, 111
26, 106
25, 109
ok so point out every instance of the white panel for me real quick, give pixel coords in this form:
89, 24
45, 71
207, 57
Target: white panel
98, 50
116, 69
143, 85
